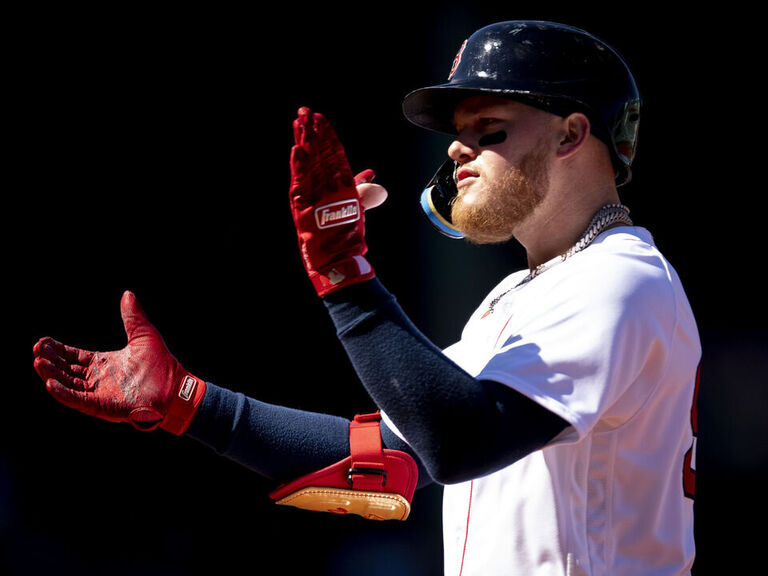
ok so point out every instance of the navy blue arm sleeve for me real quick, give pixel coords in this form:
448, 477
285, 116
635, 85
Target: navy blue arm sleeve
460, 427
278, 442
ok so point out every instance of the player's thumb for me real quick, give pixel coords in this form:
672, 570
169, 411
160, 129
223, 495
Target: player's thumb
135, 320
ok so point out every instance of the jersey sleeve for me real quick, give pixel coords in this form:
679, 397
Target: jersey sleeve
593, 343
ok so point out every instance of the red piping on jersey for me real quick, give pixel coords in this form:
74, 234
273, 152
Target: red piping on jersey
502, 331
466, 533
472, 483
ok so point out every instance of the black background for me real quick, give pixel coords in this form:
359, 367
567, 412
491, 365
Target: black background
148, 150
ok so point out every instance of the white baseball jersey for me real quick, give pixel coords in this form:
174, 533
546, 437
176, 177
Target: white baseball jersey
605, 339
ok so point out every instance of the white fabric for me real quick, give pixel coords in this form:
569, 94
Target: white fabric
606, 340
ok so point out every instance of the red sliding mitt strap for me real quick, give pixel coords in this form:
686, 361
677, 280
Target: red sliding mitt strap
373, 482
368, 470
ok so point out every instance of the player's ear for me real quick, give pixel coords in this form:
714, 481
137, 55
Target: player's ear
575, 129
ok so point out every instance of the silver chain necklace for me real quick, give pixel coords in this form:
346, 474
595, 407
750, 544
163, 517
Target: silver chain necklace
607, 216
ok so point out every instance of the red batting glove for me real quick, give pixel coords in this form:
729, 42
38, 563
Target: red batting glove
326, 207
142, 384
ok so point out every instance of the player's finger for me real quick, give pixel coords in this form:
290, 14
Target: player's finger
365, 177
49, 359
45, 369
58, 363
71, 377
301, 178
301, 125
308, 129
48, 347
323, 131
76, 399
55, 360
332, 157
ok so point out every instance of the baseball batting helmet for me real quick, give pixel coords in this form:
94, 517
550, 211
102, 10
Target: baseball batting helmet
551, 66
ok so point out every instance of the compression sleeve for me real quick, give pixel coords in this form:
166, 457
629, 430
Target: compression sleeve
460, 427
278, 442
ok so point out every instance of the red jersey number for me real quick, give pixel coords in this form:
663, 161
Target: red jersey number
689, 462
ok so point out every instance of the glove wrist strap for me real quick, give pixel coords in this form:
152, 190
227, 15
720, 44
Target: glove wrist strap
350, 271
187, 397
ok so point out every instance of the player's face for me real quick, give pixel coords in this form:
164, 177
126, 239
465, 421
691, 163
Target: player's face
503, 151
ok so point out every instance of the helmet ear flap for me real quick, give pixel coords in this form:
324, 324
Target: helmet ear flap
437, 199
625, 140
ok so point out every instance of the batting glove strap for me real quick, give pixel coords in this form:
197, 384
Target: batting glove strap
184, 404
354, 269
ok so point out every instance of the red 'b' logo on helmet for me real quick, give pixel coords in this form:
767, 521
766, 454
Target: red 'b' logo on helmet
457, 60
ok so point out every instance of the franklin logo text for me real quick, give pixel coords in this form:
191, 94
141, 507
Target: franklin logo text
337, 213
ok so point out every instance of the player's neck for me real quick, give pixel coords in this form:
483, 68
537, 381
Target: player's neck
560, 221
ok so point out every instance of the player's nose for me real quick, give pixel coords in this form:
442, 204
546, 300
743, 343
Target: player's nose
461, 151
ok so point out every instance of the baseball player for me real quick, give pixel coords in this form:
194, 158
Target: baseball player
562, 423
